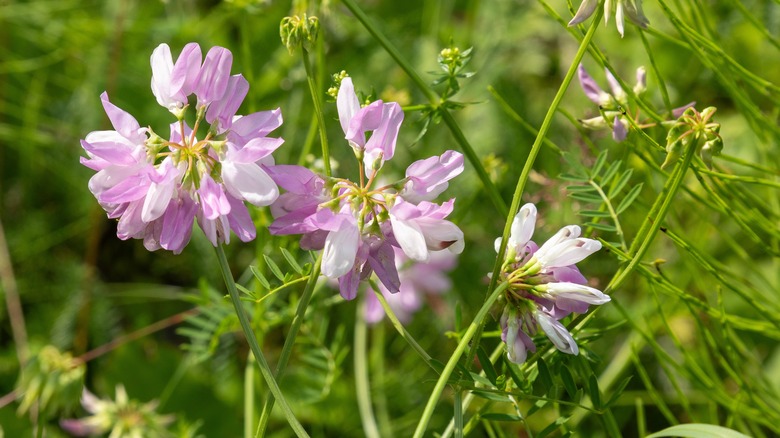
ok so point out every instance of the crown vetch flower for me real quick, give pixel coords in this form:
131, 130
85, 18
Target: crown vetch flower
622, 8
156, 187
544, 285
357, 225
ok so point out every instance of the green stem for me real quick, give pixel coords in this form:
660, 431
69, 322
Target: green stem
249, 395
265, 370
529, 162
289, 341
653, 223
315, 96
362, 387
453, 361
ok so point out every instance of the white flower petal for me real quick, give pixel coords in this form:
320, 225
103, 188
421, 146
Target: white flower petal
341, 247
249, 182
411, 238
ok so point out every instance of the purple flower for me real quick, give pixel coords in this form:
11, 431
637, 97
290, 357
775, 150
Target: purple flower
357, 225
158, 188
382, 119
544, 285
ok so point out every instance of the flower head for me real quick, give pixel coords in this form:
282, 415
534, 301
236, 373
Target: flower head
358, 225
122, 417
158, 187
544, 285
621, 8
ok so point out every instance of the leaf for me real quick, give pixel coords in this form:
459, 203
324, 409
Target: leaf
274, 268
602, 227
618, 187
698, 430
610, 173
568, 381
501, 398
600, 160
246, 291
587, 188
495, 416
291, 261
573, 178
487, 365
594, 213
552, 426
260, 277
585, 197
630, 197
595, 394
544, 374
618, 391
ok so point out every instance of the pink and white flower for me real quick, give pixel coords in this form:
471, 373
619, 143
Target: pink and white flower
544, 285
157, 188
357, 225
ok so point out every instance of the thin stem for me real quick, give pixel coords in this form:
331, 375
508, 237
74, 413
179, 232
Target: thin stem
399, 326
315, 96
653, 224
362, 387
453, 361
249, 395
289, 341
529, 162
265, 370
12, 301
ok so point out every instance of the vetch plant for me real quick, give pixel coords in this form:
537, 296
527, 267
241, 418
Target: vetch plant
358, 225
544, 285
158, 187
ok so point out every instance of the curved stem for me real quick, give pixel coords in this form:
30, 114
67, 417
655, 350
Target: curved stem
265, 370
453, 361
289, 341
529, 162
315, 96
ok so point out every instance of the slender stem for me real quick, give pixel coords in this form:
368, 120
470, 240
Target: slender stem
249, 395
362, 386
458, 415
289, 341
12, 301
265, 370
453, 361
398, 325
529, 162
315, 96
652, 225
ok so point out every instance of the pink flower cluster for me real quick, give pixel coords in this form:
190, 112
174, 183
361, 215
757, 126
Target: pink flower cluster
358, 226
544, 285
156, 187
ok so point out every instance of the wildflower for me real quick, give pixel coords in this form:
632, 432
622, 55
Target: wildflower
417, 280
359, 226
631, 8
156, 187
544, 285
119, 418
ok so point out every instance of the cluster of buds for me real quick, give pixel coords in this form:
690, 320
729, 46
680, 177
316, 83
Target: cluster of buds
358, 225
621, 8
298, 31
122, 417
694, 127
544, 285
157, 187
614, 106
51, 381
453, 62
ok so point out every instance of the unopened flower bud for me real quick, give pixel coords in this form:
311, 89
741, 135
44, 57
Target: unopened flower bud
641, 81
298, 31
